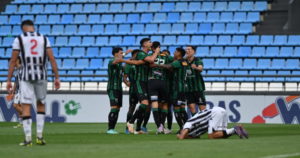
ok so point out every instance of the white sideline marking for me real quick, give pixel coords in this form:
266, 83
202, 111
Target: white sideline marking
282, 156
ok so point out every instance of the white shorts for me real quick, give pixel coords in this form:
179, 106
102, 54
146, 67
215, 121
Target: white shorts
33, 90
17, 97
218, 121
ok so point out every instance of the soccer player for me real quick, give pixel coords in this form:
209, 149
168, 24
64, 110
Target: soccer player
142, 61
194, 81
114, 89
17, 93
213, 121
35, 50
157, 88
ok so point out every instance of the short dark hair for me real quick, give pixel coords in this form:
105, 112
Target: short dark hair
165, 50
27, 22
155, 44
135, 51
144, 40
116, 50
181, 51
193, 47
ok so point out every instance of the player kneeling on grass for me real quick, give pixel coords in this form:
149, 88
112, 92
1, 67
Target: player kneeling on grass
213, 121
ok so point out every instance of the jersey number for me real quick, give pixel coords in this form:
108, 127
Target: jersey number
34, 42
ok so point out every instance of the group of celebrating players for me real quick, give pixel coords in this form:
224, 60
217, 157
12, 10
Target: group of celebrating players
159, 81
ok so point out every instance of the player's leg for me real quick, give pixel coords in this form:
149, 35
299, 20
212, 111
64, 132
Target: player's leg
133, 100
17, 105
114, 111
40, 89
191, 101
170, 117
153, 88
163, 100
202, 100
146, 119
182, 100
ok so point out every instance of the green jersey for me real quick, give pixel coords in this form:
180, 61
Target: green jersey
194, 79
179, 73
141, 70
114, 76
130, 71
160, 73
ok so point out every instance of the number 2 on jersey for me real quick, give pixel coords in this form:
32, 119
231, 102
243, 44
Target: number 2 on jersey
34, 42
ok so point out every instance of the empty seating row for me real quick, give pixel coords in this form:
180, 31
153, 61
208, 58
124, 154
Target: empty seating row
138, 7
134, 18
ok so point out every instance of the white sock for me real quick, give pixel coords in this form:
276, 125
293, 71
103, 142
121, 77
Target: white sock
27, 129
40, 121
20, 120
230, 131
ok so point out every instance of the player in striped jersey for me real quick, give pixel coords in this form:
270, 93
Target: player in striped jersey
17, 92
35, 50
212, 121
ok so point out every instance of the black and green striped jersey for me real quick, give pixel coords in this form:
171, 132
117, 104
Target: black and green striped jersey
160, 73
114, 76
141, 70
130, 71
194, 79
179, 75
170, 77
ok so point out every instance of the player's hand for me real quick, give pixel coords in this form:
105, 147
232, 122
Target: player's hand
117, 60
128, 51
9, 87
57, 84
194, 66
157, 50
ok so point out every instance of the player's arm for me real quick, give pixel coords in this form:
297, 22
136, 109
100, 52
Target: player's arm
199, 66
12, 65
54, 67
150, 59
125, 80
133, 62
165, 66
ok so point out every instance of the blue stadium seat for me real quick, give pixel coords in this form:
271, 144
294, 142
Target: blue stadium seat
5, 30
194, 6
100, 72
58, 30
231, 28
97, 29
89, 8
216, 51
76, 8
238, 40
102, 8
209, 63
253, 17
107, 18
234, 6
258, 51
61, 8
190, 28
205, 28
79, 52
245, 28
41, 19
37, 9
87, 79
124, 29
128, 7
27, 17
133, 18
68, 64
220, 6
93, 19
102, 41
230, 51
177, 28
213, 17
24, 9
226, 17
151, 28
173, 17
252, 40
183, 40
3, 19
240, 17
218, 28
235, 63
54, 19
120, 18
82, 64
96, 64
111, 29
181, 6
280, 40
84, 29
15, 19
88, 41
247, 6
210, 40
154, 7
4, 64
186, 17
286, 52
142, 7
16, 30
224, 40
202, 52
106, 52
115, 7
73, 79
139, 29
157, 38
207, 6
128, 40
65, 52
197, 40
50, 8
294, 40
146, 18
164, 28
272, 52
70, 29
80, 19
75, 41
11, 9
7, 41
292, 64
92, 52
159, 17
67, 19
200, 17
278, 64
51, 39
249, 63
263, 64
266, 40
115, 40
261, 6
169, 40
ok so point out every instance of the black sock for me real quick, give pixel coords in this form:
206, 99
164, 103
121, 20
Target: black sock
164, 114
178, 118
138, 113
156, 116
146, 118
140, 116
130, 112
170, 118
113, 118
184, 115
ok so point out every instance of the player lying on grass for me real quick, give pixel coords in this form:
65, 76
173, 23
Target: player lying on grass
213, 121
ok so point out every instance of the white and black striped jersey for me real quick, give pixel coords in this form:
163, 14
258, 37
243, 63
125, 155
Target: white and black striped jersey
199, 123
17, 74
32, 47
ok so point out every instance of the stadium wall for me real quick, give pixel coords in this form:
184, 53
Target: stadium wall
3, 4
88, 108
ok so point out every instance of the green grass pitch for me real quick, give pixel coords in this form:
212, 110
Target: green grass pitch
85, 140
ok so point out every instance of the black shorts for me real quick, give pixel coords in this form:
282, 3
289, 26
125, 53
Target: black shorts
157, 90
115, 97
179, 98
196, 98
141, 89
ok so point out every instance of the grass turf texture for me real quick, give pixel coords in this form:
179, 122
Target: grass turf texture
70, 140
